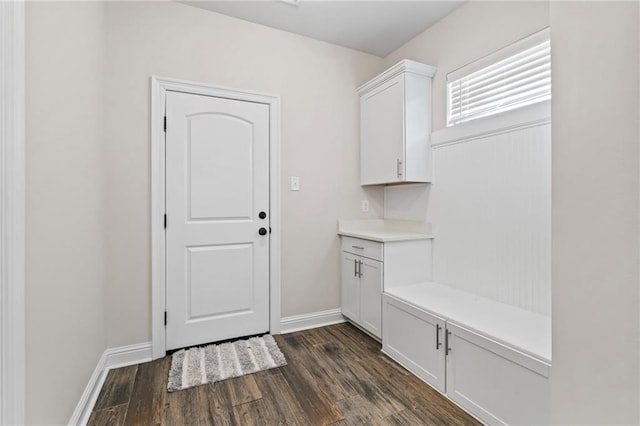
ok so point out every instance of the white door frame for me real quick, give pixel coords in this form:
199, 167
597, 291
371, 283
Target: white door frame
12, 213
159, 87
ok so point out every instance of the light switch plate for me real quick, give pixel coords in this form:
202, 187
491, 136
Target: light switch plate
295, 183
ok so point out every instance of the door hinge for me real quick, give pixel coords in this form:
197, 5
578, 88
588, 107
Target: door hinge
165, 123
165, 318
165, 221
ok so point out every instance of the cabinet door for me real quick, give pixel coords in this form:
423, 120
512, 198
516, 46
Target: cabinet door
350, 292
482, 375
371, 296
382, 133
415, 339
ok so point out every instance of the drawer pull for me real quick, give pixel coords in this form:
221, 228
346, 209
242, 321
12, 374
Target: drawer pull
438, 344
359, 268
358, 247
399, 168
446, 343
355, 268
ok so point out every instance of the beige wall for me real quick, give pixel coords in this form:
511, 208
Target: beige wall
316, 82
470, 32
595, 187
66, 247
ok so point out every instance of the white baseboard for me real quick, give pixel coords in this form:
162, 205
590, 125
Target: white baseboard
88, 399
111, 358
128, 355
313, 320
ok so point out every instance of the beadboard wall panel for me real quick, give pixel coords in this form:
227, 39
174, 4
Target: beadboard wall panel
490, 207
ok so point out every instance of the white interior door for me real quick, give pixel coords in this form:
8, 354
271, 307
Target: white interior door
217, 185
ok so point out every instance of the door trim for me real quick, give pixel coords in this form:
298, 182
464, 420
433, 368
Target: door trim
12, 213
159, 88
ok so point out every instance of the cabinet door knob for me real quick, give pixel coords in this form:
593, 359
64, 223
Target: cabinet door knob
355, 268
438, 336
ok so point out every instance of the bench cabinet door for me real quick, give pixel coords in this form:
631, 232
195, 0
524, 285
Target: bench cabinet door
415, 339
497, 384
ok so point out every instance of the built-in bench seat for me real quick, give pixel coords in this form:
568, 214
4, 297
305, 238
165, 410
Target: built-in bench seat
522, 330
491, 358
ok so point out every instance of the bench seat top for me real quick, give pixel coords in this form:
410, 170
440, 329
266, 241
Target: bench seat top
525, 331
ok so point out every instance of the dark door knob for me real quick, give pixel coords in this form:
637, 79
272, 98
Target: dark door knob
262, 215
262, 231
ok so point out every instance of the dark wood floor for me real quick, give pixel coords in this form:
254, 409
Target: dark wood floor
336, 375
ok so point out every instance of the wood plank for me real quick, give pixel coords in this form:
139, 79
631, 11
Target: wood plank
218, 404
255, 413
300, 351
403, 418
241, 390
281, 398
317, 336
200, 405
117, 387
353, 371
112, 416
313, 400
358, 410
149, 390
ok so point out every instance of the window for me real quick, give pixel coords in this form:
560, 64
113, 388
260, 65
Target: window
513, 77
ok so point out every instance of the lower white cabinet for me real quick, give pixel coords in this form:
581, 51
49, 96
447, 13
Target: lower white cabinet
362, 292
497, 383
415, 339
494, 382
368, 267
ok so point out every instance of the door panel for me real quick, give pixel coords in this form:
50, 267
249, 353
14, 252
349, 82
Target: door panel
416, 339
350, 287
214, 163
371, 296
217, 263
382, 128
217, 180
475, 360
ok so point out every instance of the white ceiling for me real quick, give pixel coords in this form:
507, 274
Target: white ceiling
376, 27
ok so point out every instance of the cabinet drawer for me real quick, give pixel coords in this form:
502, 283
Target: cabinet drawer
366, 248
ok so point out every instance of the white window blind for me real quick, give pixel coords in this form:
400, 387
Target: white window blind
513, 77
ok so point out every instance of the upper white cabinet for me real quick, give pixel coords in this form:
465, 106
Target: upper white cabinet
395, 124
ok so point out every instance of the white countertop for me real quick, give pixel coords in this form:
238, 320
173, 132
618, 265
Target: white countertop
527, 331
385, 230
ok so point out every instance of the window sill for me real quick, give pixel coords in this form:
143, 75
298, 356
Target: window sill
521, 118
